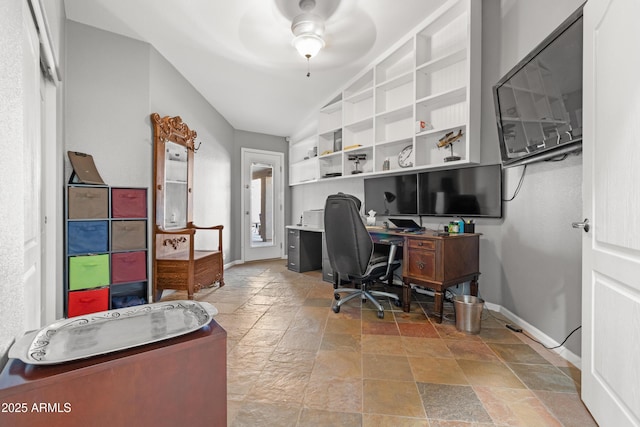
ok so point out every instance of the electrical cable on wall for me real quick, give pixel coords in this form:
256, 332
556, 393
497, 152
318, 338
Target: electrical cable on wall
524, 170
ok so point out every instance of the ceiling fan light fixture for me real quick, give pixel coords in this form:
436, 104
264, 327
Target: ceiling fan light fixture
308, 45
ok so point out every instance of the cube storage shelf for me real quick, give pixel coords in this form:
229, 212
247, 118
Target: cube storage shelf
106, 248
432, 75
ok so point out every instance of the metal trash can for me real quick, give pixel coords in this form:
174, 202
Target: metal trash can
468, 313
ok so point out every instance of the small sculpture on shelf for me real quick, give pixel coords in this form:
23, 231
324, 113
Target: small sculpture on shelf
356, 159
448, 140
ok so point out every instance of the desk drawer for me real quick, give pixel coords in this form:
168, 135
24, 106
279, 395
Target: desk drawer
421, 264
422, 244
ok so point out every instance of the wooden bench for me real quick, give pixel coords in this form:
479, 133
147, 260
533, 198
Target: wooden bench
180, 266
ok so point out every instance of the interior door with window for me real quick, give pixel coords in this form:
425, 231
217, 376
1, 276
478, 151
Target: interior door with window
262, 204
611, 200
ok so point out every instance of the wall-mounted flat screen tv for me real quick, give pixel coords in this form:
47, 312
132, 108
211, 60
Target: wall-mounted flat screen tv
466, 192
539, 102
392, 195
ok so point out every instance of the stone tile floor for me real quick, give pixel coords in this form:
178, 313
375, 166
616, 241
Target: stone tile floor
292, 361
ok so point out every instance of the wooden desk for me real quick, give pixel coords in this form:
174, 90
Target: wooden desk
179, 381
436, 262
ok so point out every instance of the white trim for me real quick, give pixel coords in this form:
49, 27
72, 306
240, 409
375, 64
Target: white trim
279, 229
48, 53
537, 334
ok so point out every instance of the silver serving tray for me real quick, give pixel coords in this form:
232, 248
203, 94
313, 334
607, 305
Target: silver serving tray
107, 331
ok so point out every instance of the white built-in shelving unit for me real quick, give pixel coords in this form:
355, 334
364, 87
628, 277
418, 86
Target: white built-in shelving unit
432, 75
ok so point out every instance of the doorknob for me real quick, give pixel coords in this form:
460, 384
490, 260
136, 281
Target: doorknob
584, 225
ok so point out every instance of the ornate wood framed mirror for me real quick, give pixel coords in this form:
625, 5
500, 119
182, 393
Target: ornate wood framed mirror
177, 263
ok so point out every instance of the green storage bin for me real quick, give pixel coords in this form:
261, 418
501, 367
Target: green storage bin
87, 272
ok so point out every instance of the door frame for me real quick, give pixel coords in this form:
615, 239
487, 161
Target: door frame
278, 217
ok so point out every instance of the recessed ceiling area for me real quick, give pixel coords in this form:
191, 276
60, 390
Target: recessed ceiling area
239, 55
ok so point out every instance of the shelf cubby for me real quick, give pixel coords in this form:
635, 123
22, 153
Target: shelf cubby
396, 64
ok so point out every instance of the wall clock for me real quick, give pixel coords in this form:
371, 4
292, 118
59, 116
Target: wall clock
404, 157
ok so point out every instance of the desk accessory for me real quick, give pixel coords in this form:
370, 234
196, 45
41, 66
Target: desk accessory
448, 140
404, 157
356, 159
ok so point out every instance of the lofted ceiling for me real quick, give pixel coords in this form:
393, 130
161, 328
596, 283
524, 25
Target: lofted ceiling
238, 53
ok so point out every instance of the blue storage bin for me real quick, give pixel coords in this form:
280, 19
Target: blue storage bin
87, 237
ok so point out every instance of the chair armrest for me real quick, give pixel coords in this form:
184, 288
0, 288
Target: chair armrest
194, 227
390, 261
215, 227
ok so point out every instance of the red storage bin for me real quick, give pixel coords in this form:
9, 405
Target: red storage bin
128, 203
85, 302
128, 267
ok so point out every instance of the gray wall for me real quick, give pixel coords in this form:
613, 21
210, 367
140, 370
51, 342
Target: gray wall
113, 84
540, 252
171, 95
107, 104
530, 259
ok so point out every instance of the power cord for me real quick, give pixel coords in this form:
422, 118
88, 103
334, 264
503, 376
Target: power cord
518, 329
551, 348
524, 170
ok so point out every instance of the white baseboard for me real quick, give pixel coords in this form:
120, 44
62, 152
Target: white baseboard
537, 334
232, 263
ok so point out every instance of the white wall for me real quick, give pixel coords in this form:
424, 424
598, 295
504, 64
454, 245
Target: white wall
11, 178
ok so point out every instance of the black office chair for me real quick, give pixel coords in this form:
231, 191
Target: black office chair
350, 251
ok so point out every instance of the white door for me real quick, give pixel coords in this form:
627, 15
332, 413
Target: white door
32, 277
611, 248
262, 204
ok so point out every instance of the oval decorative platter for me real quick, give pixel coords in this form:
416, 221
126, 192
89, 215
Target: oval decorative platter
108, 331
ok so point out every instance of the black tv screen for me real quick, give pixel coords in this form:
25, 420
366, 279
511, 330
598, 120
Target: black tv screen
392, 195
467, 192
539, 102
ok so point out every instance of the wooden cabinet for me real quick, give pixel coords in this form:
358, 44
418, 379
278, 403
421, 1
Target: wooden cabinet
144, 386
180, 262
438, 262
106, 248
430, 76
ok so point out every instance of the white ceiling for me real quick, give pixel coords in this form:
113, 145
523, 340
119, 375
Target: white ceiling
238, 53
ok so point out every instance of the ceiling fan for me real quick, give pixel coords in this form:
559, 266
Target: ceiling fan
274, 30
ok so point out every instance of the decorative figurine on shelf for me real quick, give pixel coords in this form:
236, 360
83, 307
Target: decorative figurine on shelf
356, 159
448, 140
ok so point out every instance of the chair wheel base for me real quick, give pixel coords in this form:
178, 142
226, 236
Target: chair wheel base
398, 303
336, 309
381, 315
336, 296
